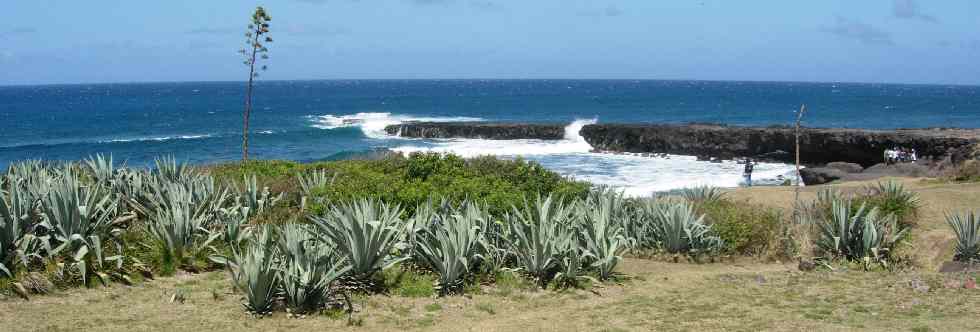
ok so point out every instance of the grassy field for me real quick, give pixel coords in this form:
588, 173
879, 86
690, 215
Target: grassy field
743, 294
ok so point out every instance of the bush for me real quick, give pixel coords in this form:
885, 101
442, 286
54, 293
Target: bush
968, 171
411, 181
745, 228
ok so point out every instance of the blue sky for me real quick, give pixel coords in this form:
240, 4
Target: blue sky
905, 41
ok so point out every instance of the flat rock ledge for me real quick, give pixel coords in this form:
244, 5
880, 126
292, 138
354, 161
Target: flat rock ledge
818, 146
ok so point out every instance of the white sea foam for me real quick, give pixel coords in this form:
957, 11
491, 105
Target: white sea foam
573, 143
634, 174
373, 123
641, 176
157, 138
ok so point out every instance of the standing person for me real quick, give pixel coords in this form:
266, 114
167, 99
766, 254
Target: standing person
748, 172
914, 157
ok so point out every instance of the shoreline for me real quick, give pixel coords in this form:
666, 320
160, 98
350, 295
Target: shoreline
819, 146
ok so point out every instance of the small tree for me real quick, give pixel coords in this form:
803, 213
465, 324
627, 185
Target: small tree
255, 37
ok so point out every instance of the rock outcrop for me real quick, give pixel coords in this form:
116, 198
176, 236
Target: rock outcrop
817, 146
481, 130
820, 175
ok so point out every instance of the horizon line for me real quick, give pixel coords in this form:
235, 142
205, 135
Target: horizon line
4, 85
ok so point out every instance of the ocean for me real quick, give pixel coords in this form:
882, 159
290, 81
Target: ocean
200, 122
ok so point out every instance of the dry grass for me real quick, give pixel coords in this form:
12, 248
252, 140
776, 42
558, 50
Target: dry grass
932, 241
740, 295
662, 296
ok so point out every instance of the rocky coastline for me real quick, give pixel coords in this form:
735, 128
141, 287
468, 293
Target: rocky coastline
936, 147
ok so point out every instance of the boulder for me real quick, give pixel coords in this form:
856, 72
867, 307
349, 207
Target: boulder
958, 267
846, 167
820, 175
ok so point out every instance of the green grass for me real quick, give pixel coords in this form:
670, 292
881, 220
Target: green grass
431, 307
408, 283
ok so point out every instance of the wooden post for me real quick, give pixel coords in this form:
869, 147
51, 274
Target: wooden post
799, 178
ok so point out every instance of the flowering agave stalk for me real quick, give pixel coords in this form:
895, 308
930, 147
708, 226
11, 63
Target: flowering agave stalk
309, 268
365, 232
450, 247
601, 235
967, 229
77, 218
538, 234
256, 273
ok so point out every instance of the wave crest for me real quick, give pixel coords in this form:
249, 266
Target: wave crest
466, 147
373, 123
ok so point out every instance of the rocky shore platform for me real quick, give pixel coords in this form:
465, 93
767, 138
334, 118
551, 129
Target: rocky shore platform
936, 147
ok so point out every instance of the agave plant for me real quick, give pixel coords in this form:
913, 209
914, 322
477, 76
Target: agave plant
77, 218
602, 234
309, 268
206, 199
858, 234
572, 265
681, 230
234, 224
34, 177
168, 169
314, 180
539, 235
257, 200
101, 168
365, 232
256, 273
702, 194
17, 243
967, 230
179, 228
892, 197
450, 247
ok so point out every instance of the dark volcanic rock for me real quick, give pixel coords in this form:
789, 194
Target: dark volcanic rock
817, 146
846, 167
482, 130
820, 175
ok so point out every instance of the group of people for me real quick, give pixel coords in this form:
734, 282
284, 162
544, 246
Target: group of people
900, 155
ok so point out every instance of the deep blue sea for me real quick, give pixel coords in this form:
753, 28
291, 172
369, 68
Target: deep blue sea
313, 120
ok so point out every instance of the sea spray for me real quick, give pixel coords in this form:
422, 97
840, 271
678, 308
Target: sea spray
373, 124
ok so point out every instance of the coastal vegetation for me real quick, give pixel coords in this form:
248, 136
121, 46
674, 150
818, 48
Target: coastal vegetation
256, 37
327, 238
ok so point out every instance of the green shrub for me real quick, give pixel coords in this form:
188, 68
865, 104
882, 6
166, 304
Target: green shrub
409, 283
745, 228
968, 171
411, 181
